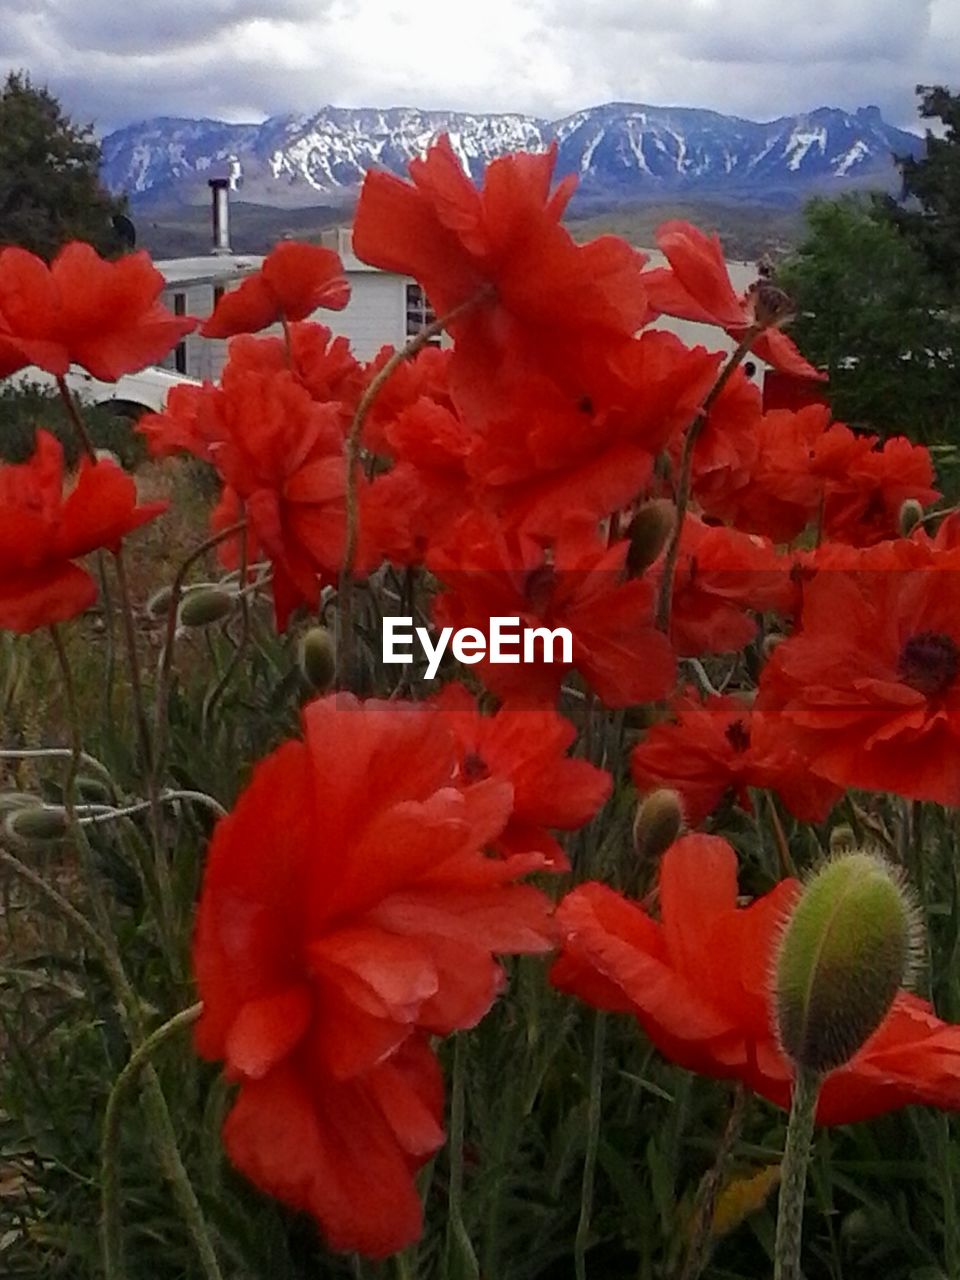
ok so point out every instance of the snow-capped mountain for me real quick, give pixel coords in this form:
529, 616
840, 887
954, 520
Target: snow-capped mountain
619, 151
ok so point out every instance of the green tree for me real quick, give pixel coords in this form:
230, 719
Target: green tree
929, 213
50, 190
878, 320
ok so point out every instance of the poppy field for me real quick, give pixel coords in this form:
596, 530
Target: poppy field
638, 964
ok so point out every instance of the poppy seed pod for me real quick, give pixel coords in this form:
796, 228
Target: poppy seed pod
318, 659
842, 839
159, 602
649, 531
658, 823
845, 952
39, 823
911, 513
206, 606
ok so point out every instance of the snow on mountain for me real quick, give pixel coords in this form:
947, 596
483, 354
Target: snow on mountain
619, 151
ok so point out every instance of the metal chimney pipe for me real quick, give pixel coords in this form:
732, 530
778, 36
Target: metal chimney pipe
219, 188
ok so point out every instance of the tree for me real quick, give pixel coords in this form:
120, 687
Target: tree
928, 214
878, 320
50, 190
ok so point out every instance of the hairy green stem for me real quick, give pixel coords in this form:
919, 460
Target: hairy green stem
793, 1174
684, 480
705, 1204
594, 1110
111, 1234
76, 417
352, 456
461, 1259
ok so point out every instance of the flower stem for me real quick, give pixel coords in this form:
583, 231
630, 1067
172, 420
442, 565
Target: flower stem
594, 1108
76, 417
705, 1202
111, 1236
684, 480
352, 456
461, 1260
793, 1177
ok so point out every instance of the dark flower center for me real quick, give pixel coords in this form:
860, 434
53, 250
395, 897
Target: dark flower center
738, 735
538, 587
929, 662
474, 768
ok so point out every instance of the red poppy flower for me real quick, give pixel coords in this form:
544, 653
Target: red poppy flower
576, 583
42, 533
541, 302
544, 454
527, 748
349, 908
83, 310
865, 487
321, 363
696, 286
280, 455
293, 282
721, 747
768, 488
722, 574
716, 1018
868, 690
425, 377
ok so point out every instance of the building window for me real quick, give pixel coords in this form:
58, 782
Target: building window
419, 313
180, 351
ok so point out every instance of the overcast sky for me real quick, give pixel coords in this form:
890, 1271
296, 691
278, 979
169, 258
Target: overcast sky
114, 62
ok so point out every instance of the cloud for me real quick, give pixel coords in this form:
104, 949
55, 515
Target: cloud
248, 59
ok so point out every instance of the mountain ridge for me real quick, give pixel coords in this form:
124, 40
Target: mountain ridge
618, 150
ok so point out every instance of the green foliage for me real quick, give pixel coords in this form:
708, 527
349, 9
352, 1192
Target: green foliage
50, 189
25, 406
871, 313
930, 219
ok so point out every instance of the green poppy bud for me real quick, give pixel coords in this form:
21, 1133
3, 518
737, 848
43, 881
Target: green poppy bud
39, 823
93, 790
843, 839
10, 800
159, 602
911, 513
845, 952
649, 531
205, 606
658, 823
318, 659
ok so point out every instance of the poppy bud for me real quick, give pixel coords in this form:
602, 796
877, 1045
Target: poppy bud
93, 790
206, 606
842, 839
649, 532
845, 952
10, 800
39, 823
318, 659
159, 602
771, 306
658, 823
911, 513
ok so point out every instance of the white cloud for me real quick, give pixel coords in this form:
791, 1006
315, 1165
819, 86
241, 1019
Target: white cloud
246, 59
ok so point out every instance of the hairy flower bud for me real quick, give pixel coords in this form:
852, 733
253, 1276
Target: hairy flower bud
658, 823
93, 790
318, 659
159, 602
206, 606
10, 800
649, 531
37, 824
911, 513
843, 839
771, 306
845, 951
